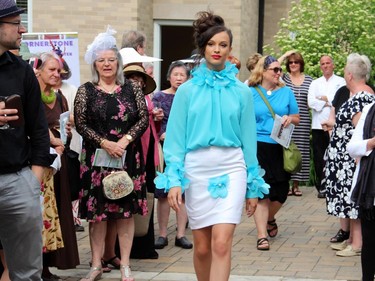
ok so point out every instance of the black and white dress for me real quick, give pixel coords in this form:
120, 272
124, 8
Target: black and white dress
339, 168
301, 134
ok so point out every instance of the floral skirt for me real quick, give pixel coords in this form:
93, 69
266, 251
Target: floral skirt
52, 237
217, 188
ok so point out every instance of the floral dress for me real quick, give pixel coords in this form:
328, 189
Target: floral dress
51, 233
339, 167
101, 115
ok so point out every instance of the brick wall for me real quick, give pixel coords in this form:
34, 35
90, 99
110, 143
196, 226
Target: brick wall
89, 17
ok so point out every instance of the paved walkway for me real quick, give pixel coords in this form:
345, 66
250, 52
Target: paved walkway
299, 252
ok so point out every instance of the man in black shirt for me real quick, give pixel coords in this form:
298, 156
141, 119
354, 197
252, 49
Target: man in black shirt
24, 151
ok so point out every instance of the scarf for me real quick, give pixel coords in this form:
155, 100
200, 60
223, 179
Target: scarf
364, 191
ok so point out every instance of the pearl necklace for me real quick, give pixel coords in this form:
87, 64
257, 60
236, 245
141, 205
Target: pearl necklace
106, 90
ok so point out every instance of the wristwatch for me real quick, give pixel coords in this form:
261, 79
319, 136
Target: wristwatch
129, 137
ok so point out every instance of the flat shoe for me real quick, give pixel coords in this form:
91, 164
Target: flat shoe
263, 244
161, 242
349, 252
339, 246
183, 242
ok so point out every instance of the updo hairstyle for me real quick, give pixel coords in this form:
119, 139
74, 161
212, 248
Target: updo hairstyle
205, 27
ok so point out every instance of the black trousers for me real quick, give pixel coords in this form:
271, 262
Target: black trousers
320, 141
368, 248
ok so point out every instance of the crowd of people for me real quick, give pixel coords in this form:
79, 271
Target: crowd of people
163, 141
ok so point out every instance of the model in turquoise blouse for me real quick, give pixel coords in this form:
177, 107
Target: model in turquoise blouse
212, 109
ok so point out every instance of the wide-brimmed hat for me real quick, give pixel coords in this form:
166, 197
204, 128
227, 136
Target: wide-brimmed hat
9, 8
138, 69
130, 55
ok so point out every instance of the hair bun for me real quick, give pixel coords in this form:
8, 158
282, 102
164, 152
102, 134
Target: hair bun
205, 21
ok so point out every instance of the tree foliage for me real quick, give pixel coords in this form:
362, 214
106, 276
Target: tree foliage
333, 27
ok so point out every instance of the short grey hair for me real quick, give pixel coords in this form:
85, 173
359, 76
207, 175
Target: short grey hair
119, 74
46, 56
175, 64
133, 39
359, 66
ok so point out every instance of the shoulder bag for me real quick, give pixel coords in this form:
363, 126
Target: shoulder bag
292, 156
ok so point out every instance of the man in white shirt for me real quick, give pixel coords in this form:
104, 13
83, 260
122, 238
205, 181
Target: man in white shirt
321, 93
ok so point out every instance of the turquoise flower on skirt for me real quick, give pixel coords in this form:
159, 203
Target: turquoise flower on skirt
218, 187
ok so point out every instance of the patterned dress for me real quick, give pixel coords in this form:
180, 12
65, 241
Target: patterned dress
339, 167
101, 115
301, 133
166, 101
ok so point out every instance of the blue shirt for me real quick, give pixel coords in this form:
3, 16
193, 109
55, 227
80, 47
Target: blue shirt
212, 109
282, 101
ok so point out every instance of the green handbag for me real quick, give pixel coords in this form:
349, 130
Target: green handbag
292, 156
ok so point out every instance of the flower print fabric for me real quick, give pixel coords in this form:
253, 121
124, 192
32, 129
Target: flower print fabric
100, 115
339, 167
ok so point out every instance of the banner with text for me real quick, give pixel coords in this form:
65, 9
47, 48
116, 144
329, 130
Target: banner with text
67, 42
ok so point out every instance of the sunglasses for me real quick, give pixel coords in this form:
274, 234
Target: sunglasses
276, 69
294, 62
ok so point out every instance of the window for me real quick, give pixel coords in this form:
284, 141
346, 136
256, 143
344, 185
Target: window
24, 16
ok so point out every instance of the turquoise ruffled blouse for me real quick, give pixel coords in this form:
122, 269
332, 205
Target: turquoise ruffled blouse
212, 109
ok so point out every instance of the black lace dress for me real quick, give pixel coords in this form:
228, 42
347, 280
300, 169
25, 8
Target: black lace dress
101, 115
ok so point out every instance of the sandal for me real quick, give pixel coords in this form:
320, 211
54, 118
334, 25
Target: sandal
113, 262
105, 267
126, 273
273, 230
340, 236
263, 244
295, 191
290, 192
91, 275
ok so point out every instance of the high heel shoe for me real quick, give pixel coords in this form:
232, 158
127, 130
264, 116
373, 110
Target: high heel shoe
92, 275
126, 274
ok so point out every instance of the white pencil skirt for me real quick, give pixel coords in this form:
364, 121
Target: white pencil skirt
200, 166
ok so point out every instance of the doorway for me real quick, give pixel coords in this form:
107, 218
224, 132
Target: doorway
173, 41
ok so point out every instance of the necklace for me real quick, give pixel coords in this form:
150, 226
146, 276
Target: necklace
105, 89
48, 99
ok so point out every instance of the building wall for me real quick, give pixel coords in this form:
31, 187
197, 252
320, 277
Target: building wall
274, 10
90, 17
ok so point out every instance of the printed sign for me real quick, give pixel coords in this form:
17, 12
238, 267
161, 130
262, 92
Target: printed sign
67, 42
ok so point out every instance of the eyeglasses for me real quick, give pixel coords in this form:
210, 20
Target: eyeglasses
276, 69
293, 62
16, 23
110, 60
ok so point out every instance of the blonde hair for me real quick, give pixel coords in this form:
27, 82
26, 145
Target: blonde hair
256, 76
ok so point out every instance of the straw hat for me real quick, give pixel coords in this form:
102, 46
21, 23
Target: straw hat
138, 69
9, 8
130, 55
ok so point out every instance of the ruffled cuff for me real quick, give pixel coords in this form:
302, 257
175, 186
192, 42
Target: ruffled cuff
256, 186
174, 175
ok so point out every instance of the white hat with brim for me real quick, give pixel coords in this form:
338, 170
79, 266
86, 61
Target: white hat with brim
130, 55
150, 84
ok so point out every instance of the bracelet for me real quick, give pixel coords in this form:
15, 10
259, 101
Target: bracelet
102, 141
